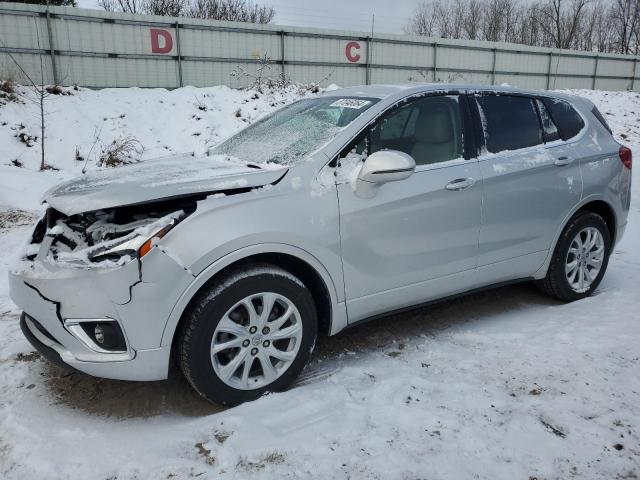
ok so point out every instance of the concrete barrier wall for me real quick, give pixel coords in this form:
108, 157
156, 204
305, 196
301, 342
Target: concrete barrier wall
104, 49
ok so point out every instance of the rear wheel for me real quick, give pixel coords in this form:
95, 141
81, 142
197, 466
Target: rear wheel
580, 258
251, 333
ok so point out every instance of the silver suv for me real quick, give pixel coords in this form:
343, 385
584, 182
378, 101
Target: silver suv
330, 211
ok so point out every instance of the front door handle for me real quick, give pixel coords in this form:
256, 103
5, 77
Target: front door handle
459, 184
562, 161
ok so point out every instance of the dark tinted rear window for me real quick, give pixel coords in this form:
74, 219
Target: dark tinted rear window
509, 122
569, 122
598, 115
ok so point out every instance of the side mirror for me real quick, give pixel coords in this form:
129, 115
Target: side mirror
382, 167
387, 166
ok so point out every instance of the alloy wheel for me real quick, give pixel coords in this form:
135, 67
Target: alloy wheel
584, 259
256, 341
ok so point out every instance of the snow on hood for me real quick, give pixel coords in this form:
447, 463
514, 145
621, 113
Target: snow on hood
157, 179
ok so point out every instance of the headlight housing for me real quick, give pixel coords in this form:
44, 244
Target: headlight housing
105, 238
136, 244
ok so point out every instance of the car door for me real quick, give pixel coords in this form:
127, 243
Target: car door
415, 239
530, 184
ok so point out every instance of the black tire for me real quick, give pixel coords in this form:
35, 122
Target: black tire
206, 311
556, 283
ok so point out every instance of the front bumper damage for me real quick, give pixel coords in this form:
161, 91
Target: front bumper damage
138, 295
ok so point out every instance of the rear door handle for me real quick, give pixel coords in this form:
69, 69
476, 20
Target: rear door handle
459, 184
562, 161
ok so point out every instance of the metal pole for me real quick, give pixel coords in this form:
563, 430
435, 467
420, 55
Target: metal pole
549, 70
435, 62
493, 67
369, 48
179, 52
595, 74
52, 51
368, 73
282, 58
633, 78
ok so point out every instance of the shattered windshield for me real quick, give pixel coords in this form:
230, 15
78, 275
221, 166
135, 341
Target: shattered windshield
293, 132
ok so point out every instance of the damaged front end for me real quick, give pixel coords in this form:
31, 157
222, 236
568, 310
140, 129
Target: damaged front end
77, 278
105, 238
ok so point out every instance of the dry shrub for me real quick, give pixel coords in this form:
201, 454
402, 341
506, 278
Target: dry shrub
121, 151
57, 90
28, 140
7, 86
78, 156
8, 92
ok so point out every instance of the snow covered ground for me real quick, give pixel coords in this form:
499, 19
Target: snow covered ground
506, 384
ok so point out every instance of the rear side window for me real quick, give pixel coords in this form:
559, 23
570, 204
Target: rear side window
549, 129
509, 122
598, 115
569, 122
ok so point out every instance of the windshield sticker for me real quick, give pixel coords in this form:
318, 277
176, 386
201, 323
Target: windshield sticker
350, 103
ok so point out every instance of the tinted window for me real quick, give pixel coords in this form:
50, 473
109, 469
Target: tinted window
549, 129
509, 122
598, 115
395, 125
569, 122
429, 129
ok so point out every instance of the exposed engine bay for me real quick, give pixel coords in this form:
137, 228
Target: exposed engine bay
107, 237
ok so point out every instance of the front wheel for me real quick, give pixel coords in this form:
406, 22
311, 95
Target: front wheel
580, 258
250, 333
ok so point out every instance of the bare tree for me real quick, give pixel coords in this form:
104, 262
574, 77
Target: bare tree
624, 15
57, 3
493, 24
42, 93
591, 25
423, 21
127, 6
473, 19
231, 10
560, 21
529, 32
169, 8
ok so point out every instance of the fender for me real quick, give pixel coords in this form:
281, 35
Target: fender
542, 271
338, 310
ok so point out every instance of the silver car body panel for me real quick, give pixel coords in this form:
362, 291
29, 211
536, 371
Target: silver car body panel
398, 242
413, 241
143, 182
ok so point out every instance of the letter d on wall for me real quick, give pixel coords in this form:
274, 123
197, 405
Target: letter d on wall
161, 41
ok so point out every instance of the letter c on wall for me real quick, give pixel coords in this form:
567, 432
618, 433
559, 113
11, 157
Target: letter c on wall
167, 41
351, 51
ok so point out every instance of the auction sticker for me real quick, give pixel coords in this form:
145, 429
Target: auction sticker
350, 103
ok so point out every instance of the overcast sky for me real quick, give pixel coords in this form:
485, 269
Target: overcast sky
390, 15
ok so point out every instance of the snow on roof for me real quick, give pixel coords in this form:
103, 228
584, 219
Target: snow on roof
384, 91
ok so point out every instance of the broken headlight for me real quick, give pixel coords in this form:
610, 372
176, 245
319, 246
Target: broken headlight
137, 243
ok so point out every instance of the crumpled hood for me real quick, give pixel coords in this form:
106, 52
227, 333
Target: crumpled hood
156, 180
